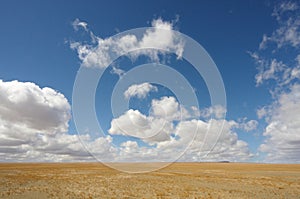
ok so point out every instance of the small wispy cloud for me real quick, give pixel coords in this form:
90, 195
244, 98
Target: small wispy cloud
79, 24
117, 71
287, 16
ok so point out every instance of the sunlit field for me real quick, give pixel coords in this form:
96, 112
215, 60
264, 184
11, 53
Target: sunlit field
179, 180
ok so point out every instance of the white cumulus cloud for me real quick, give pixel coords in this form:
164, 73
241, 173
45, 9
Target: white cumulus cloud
282, 143
156, 40
25, 105
169, 139
34, 126
135, 124
139, 90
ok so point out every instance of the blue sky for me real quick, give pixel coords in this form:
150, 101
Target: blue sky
254, 44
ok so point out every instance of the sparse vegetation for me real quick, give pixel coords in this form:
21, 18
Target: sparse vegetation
180, 180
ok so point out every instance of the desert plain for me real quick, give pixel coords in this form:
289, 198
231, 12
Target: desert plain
178, 180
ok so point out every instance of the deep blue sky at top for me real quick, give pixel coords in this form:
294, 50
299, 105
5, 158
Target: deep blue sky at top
34, 34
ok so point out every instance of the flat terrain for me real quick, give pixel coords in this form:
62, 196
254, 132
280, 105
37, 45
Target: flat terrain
179, 180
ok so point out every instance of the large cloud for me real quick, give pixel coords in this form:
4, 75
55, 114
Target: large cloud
283, 130
195, 140
25, 105
206, 147
169, 140
34, 126
100, 53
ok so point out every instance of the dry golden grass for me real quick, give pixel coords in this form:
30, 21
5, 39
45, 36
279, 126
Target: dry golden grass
179, 180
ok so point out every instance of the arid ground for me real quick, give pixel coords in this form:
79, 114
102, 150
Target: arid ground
179, 180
